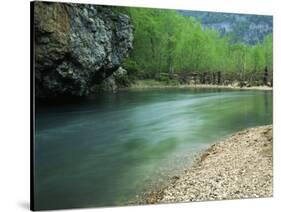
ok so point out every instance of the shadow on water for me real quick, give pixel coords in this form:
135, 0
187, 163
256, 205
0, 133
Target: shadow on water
104, 151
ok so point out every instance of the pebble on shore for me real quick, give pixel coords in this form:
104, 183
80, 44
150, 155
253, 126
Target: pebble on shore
238, 167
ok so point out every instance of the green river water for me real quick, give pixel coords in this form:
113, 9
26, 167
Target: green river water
104, 151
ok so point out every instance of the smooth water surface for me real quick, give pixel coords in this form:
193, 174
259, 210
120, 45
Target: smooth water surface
104, 151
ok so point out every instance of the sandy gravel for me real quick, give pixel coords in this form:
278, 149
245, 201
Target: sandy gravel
230, 86
238, 167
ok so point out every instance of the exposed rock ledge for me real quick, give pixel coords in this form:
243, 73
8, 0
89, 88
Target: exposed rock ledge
238, 167
77, 46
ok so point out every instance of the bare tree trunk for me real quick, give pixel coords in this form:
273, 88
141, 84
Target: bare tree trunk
265, 76
219, 77
214, 78
170, 56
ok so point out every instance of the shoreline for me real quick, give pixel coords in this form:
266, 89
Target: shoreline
239, 166
152, 84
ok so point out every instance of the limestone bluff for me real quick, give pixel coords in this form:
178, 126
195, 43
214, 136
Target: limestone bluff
77, 46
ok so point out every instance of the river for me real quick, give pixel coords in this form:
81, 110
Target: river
105, 150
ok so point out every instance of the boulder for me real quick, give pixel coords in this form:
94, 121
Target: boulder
77, 46
121, 72
109, 84
121, 77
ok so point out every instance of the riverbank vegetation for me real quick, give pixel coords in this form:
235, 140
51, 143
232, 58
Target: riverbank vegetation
175, 49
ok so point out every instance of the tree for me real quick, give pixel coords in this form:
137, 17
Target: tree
165, 41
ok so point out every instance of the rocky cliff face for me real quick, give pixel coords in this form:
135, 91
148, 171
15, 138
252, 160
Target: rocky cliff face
249, 29
77, 46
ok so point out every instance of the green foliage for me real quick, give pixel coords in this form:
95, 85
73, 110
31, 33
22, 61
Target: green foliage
268, 52
133, 69
167, 42
122, 80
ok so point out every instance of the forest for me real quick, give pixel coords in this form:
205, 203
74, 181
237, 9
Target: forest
175, 49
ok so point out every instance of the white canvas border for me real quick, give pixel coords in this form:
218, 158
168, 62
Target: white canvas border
14, 87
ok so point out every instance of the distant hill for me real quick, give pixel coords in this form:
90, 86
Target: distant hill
245, 28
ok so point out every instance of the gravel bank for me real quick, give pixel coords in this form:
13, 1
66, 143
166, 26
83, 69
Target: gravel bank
149, 84
238, 167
